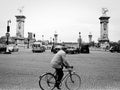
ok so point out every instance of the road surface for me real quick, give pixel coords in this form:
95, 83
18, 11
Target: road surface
98, 70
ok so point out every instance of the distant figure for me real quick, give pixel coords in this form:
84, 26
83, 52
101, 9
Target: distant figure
106, 48
52, 48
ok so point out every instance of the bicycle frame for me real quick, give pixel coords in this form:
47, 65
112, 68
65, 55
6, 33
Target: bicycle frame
65, 76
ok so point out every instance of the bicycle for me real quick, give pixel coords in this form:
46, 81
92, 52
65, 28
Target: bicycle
72, 80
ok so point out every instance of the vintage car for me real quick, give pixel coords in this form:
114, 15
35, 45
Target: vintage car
71, 50
84, 49
115, 49
38, 47
3, 48
56, 48
13, 48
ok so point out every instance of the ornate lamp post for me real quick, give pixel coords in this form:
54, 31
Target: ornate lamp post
28, 39
90, 38
52, 46
8, 30
53, 42
79, 40
43, 38
34, 37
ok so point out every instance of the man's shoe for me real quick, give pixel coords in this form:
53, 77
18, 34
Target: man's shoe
57, 86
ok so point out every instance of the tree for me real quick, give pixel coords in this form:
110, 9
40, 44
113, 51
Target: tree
119, 42
3, 40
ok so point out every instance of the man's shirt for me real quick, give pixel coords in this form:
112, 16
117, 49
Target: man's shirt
59, 59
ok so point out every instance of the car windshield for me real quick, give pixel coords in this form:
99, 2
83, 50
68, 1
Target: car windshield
71, 47
58, 46
36, 45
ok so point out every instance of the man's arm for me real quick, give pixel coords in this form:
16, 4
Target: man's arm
65, 63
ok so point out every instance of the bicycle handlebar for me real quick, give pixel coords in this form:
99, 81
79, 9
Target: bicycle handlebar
69, 69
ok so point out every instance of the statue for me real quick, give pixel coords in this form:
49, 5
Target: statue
104, 10
20, 10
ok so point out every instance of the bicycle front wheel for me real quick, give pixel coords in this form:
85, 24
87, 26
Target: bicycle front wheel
73, 82
47, 81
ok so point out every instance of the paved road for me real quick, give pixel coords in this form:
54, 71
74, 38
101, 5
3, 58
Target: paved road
98, 70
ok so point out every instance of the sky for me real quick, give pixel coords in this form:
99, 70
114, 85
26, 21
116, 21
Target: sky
66, 17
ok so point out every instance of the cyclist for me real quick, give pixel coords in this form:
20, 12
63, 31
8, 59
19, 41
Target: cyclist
58, 62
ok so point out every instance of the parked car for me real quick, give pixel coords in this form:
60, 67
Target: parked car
10, 48
13, 48
38, 47
3, 48
71, 50
84, 49
115, 49
56, 48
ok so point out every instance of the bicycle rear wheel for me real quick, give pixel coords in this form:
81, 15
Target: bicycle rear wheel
47, 81
73, 82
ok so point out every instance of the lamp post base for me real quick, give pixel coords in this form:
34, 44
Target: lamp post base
7, 51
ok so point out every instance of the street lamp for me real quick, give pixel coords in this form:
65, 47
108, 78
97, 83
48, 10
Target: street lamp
42, 37
28, 39
28, 42
53, 42
79, 40
52, 46
34, 37
8, 30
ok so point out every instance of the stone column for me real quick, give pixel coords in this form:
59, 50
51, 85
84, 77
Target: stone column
104, 20
20, 19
